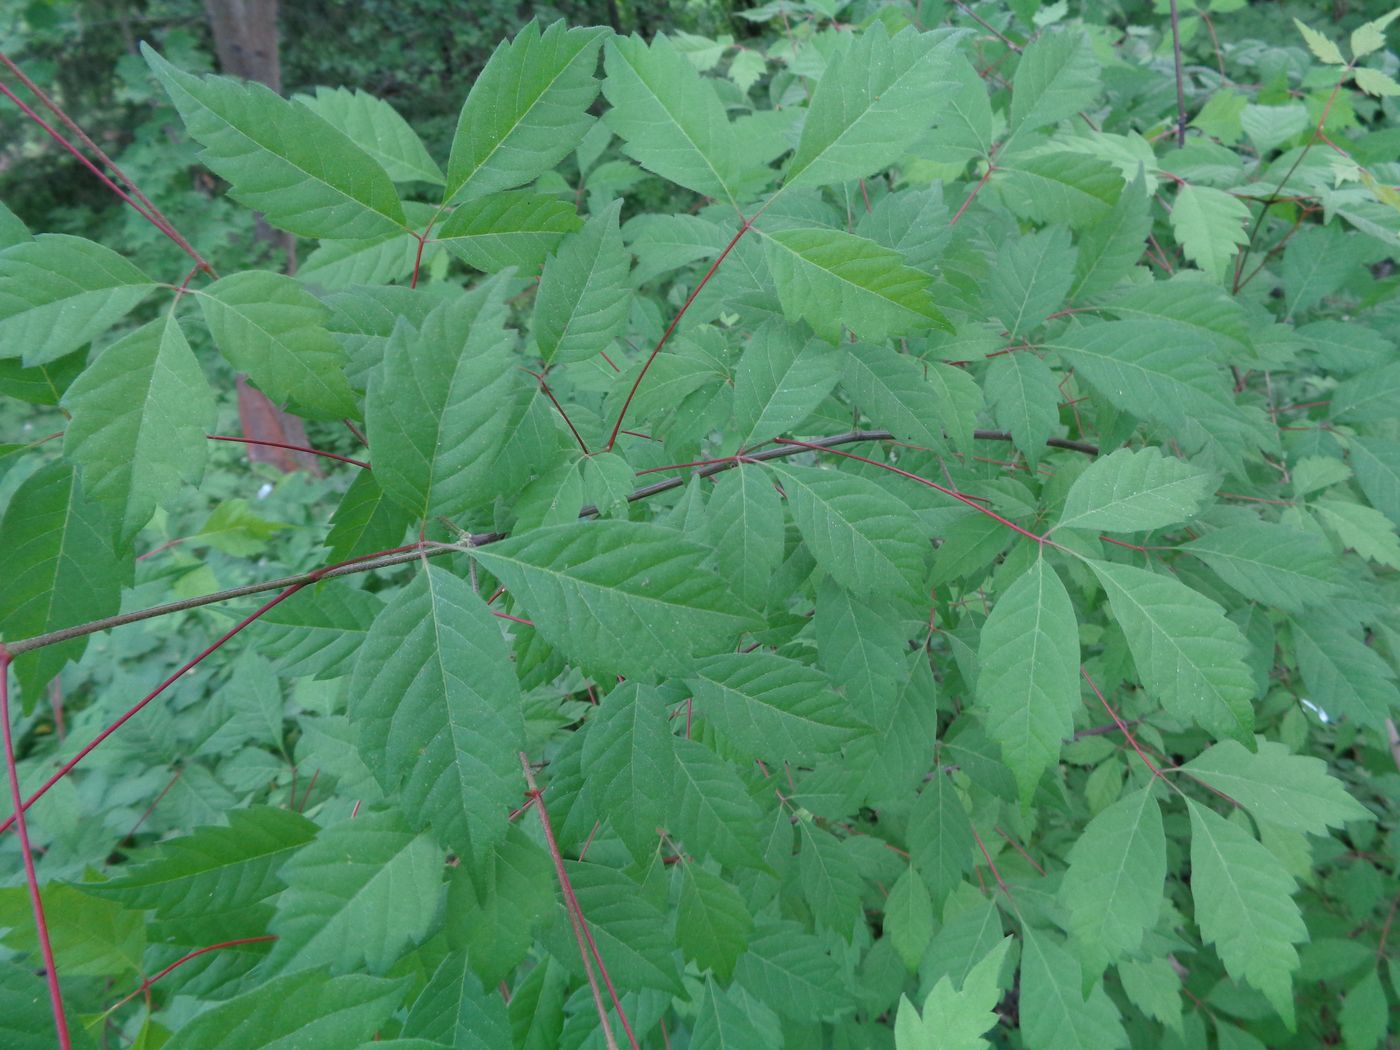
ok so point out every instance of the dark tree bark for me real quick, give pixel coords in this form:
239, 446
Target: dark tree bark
245, 40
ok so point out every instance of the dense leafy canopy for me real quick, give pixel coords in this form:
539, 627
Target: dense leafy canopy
877, 533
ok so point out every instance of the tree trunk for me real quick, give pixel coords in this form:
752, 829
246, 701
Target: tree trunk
245, 40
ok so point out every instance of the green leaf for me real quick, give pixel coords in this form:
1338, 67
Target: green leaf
1055, 1014
954, 1020
60, 569
712, 923
790, 971
1028, 685
496, 904
537, 1007
1292, 791
1245, 907
909, 919
1364, 529
1188, 655
358, 895
140, 414
835, 280
1154, 371
438, 710
1370, 36
281, 158
516, 228
438, 405
1369, 397
940, 838
1110, 247
584, 295
1377, 466
272, 328
455, 1010
859, 641
915, 400
1112, 892
829, 880
43, 384
95, 938
1030, 280
12, 228
301, 1011
1365, 1013
746, 530
345, 264
629, 754
1273, 564
633, 934
59, 292
1321, 46
214, 869
1024, 397
1209, 226
877, 93
624, 596
771, 706
781, 380
669, 118
26, 1018
1374, 82
1059, 186
1345, 676
728, 1018
710, 809
867, 539
365, 521
1135, 490
526, 112
376, 127
1056, 77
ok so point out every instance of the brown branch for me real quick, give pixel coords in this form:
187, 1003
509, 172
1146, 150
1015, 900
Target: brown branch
432, 550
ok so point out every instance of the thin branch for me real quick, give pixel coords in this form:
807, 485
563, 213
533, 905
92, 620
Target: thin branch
294, 448
576, 917
150, 212
622, 414
1180, 83
31, 877
412, 552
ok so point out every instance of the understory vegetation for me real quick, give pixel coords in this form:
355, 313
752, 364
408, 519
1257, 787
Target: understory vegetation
841, 524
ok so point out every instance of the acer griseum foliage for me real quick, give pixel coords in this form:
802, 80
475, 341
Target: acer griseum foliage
932, 585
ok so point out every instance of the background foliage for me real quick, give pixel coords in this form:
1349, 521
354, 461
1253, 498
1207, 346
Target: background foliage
890, 510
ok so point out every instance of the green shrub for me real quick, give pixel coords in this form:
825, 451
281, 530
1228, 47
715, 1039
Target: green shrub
880, 532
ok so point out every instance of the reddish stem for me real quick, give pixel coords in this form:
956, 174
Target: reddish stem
975, 190
147, 982
31, 877
577, 919
743, 229
1127, 733
539, 378
68, 766
966, 500
294, 448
